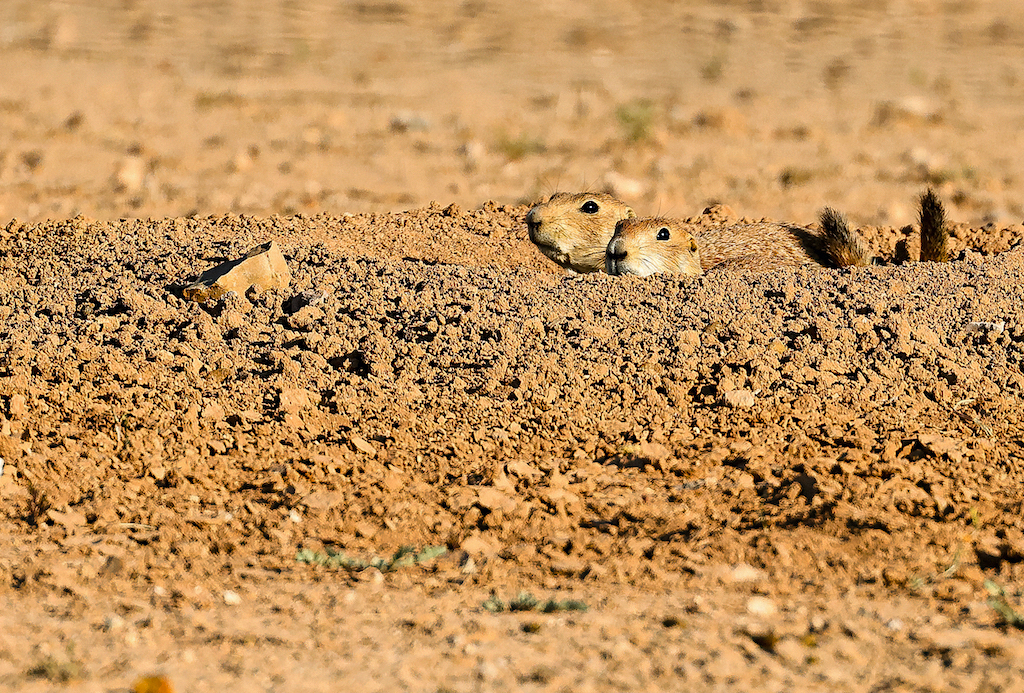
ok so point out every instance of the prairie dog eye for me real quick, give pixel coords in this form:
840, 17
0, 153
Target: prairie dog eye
663, 234
693, 245
590, 207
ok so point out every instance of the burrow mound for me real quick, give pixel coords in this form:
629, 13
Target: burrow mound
428, 378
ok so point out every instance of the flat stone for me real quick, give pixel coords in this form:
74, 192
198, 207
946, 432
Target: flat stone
361, 444
262, 267
294, 400
739, 398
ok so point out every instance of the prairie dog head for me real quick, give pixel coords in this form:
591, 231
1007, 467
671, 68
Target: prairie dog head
648, 246
573, 229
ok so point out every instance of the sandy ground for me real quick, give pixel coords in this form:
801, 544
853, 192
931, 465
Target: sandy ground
799, 480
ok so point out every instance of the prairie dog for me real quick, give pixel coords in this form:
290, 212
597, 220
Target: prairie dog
649, 246
574, 229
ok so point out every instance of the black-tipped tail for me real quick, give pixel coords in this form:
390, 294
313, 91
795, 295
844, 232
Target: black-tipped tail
934, 231
843, 247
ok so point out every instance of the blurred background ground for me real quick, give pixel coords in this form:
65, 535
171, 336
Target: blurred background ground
775, 107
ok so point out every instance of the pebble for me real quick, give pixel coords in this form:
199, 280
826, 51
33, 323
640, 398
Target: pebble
231, 598
761, 606
744, 572
739, 398
362, 445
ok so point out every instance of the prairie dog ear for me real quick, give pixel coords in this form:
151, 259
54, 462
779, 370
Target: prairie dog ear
630, 214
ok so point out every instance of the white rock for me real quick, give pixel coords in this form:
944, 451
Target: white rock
231, 598
978, 327
761, 606
739, 398
745, 572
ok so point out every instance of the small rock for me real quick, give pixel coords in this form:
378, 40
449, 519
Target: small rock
294, 400
746, 573
761, 606
262, 267
926, 336
473, 151
362, 445
231, 598
983, 327
113, 622
294, 516
309, 297
16, 407
739, 398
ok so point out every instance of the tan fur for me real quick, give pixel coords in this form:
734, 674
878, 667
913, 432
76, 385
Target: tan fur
575, 239
689, 249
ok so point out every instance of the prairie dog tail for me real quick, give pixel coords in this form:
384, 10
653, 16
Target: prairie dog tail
934, 232
843, 247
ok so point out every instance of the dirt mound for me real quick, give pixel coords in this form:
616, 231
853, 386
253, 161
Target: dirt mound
547, 429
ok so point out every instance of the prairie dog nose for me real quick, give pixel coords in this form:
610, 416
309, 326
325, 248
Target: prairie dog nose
614, 255
617, 248
533, 221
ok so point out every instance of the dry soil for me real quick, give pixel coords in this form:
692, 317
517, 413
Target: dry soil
798, 480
